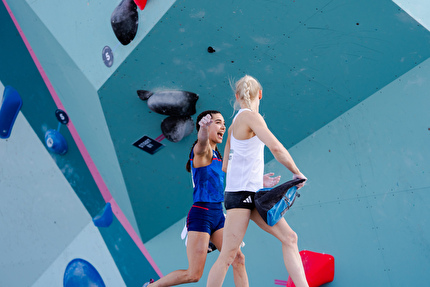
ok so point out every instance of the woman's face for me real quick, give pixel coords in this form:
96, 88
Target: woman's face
217, 128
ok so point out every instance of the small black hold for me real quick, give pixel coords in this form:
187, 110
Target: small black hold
144, 95
211, 50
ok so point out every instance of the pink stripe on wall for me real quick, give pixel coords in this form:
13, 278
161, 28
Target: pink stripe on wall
124, 221
160, 138
86, 156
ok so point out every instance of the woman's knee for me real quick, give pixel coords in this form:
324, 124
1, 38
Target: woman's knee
193, 277
290, 238
228, 257
239, 260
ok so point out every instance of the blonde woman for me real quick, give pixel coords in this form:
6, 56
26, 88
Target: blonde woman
247, 136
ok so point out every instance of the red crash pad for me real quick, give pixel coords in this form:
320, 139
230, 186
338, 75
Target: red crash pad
319, 268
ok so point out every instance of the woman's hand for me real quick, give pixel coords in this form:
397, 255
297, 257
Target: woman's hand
205, 121
269, 181
300, 175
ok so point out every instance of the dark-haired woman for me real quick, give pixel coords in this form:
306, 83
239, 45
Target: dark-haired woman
205, 221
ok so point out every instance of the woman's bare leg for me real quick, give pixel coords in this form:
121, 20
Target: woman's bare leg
239, 271
236, 223
290, 250
197, 248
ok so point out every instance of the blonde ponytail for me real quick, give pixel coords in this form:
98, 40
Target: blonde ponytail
247, 88
246, 97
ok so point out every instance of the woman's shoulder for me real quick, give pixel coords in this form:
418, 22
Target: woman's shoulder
249, 115
245, 113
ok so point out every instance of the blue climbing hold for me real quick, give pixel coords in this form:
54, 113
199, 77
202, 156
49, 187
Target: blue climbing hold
80, 273
9, 109
105, 218
56, 142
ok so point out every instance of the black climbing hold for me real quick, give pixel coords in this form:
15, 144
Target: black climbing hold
172, 103
124, 21
176, 128
211, 50
144, 95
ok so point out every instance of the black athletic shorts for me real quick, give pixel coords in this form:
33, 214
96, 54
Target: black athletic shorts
239, 199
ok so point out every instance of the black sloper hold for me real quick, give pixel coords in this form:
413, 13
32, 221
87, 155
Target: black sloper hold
124, 21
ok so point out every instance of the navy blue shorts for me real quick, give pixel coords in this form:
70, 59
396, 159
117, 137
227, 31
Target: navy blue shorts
206, 217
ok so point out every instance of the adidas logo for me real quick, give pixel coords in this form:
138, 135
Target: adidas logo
248, 199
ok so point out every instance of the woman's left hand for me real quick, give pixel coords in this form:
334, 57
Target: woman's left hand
269, 181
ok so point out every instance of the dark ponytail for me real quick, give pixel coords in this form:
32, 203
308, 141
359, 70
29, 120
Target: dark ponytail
199, 117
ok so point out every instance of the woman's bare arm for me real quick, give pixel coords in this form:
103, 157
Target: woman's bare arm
202, 149
281, 154
226, 151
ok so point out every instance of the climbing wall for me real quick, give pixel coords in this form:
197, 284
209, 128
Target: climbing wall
343, 88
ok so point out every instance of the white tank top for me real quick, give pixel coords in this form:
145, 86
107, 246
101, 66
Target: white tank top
245, 163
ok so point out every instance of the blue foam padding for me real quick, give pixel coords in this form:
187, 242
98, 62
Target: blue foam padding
80, 272
9, 109
105, 218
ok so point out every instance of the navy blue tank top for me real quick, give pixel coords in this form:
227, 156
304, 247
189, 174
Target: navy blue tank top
208, 181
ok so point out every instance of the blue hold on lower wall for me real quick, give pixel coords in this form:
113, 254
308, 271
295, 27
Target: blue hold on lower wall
81, 273
55, 142
105, 218
9, 109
